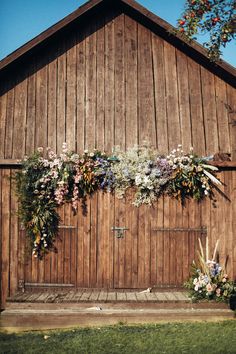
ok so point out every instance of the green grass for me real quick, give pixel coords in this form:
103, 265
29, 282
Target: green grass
204, 337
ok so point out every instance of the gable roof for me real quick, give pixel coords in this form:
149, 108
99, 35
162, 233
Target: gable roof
142, 15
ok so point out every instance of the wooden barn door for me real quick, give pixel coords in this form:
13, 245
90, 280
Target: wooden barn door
116, 245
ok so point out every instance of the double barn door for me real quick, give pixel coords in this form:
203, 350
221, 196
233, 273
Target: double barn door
113, 244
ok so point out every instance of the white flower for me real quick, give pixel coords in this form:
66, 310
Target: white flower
138, 180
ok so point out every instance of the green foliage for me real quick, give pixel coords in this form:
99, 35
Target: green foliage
216, 17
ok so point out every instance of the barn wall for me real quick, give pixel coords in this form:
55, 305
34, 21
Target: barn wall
115, 82
89, 255
112, 82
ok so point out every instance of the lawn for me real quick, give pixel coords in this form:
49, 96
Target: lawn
175, 338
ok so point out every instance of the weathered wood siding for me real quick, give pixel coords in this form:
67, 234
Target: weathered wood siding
112, 82
116, 83
89, 254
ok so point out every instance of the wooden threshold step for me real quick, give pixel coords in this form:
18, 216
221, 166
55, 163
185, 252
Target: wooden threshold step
40, 319
114, 305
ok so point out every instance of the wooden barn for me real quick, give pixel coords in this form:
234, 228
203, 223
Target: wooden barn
112, 73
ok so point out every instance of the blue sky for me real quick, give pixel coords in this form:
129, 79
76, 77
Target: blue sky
22, 20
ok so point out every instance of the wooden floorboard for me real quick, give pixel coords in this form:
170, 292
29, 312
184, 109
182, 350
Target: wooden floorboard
96, 295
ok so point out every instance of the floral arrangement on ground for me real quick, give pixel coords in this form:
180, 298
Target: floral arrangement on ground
209, 281
47, 181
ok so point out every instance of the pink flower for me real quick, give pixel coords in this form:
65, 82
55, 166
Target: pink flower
209, 288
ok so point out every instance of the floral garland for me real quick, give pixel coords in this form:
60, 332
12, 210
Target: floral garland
209, 280
45, 183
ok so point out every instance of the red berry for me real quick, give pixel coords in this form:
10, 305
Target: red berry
216, 19
181, 30
181, 22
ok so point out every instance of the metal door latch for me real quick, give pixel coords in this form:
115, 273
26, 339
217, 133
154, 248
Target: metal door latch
119, 231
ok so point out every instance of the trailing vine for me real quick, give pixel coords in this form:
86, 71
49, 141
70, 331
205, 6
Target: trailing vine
47, 181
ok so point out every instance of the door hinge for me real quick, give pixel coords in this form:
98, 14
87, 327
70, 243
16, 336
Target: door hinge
202, 230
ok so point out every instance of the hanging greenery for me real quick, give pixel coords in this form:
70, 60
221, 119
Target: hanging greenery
47, 181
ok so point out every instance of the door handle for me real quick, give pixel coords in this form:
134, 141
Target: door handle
119, 231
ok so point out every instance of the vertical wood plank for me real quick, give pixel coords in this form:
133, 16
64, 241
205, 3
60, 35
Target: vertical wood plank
119, 83
5, 286
61, 97
87, 244
61, 247
174, 128
147, 247
160, 93
109, 85
131, 85
110, 246
80, 247
160, 275
100, 89
119, 244
153, 244
67, 246
141, 247
3, 114
93, 242
226, 215
101, 254
9, 124
179, 245
198, 133
71, 95
222, 115
184, 107
19, 119
90, 99
31, 114
146, 111
80, 89
41, 108
14, 231
74, 239
185, 253
131, 243
231, 98
22, 242
52, 103
209, 111
166, 235
172, 241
